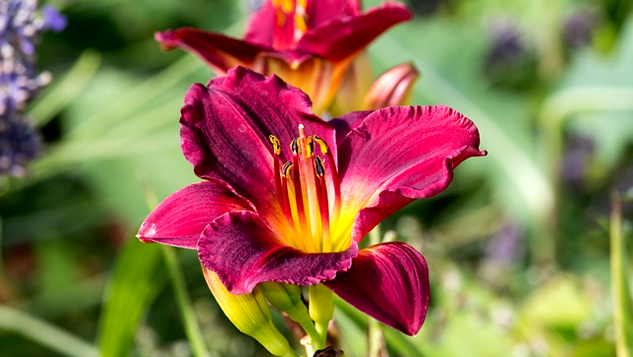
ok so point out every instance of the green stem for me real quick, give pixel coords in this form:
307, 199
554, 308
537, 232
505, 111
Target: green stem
622, 311
45, 333
374, 329
192, 329
374, 338
321, 309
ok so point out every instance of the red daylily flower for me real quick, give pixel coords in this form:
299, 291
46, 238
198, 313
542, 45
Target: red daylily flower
309, 44
288, 196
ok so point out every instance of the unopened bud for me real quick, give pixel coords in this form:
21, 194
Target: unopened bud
287, 298
392, 88
250, 314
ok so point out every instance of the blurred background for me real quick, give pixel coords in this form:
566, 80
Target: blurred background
526, 249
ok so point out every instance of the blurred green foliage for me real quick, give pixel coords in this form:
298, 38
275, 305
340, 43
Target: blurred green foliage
518, 247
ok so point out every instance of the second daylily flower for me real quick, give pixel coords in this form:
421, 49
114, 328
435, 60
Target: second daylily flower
310, 44
288, 197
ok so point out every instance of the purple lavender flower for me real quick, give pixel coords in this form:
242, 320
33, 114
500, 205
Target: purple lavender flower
20, 25
578, 27
53, 19
20, 142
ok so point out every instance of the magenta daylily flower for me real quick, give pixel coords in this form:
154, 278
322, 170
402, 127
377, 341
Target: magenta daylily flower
309, 44
288, 197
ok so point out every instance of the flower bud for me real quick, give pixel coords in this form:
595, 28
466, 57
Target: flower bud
392, 88
250, 314
287, 298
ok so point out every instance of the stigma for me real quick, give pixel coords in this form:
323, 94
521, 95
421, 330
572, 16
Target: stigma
309, 192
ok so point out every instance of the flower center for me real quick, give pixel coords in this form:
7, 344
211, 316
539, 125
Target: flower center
292, 10
309, 193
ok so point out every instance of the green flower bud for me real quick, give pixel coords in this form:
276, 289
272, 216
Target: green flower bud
287, 298
250, 314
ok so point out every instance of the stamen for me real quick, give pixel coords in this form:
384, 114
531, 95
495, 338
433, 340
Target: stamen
309, 146
284, 199
334, 173
276, 144
294, 147
286, 6
318, 166
326, 243
322, 144
303, 187
291, 215
276, 151
286, 168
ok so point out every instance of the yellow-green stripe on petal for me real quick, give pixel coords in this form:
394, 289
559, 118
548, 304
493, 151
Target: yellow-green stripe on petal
250, 314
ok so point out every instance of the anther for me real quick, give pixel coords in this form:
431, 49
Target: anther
318, 166
294, 146
309, 146
322, 144
276, 144
285, 170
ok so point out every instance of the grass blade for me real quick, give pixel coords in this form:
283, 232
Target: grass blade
138, 275
622, 312
194, 334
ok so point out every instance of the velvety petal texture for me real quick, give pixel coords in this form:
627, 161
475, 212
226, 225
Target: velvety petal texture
244, 252
340, 38
398, 154
225, 130
389, 282
181, 217
219, 51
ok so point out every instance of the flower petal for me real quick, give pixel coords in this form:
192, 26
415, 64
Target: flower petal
225, 130
345, 123
315, 76
341, 38
354, 84
219, 51
261, 26
181, 217
399, 154
389, 282
265, 25
243, 251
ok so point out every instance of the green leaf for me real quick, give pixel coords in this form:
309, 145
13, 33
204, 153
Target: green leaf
63, 91
44, 333
138, 275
